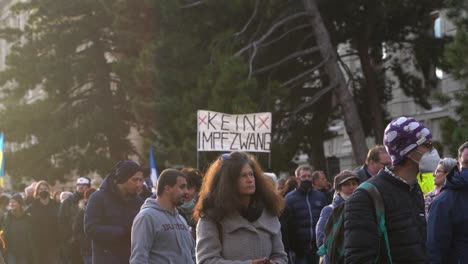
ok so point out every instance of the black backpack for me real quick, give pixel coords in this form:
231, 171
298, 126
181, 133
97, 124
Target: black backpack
333, 242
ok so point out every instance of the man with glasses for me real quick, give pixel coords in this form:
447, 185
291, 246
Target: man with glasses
377, 159
409, 144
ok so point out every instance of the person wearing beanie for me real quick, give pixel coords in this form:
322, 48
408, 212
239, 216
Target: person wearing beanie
17, 231
70, 248
344, 184
409, 144
110, 212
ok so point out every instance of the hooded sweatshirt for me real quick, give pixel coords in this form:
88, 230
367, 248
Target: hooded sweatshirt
161, 236
447, 229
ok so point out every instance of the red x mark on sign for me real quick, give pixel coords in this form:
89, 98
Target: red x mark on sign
202, 120
263, 122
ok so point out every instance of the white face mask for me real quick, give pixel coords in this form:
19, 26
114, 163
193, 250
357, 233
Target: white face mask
344, 196
429, 161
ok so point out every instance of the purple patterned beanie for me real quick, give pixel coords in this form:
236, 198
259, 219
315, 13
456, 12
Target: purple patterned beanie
402, 135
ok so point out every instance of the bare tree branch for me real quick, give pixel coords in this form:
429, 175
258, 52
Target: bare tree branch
289, 57
300, 76
271, 30
315, 98
197, 3
251, 60
250, 20
285, 34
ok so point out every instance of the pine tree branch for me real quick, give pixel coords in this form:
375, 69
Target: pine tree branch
289, 57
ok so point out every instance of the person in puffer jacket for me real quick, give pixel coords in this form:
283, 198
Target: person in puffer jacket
447, 229
409, 144
110, 212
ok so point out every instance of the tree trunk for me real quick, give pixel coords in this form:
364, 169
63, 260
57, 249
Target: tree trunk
351, 118
374, 106
102, 82
320, 121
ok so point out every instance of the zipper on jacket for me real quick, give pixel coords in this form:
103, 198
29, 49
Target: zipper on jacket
311, 220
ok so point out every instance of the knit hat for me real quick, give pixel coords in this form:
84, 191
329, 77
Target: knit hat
402, 135
18, 198
125, 169
342, 177
83, 181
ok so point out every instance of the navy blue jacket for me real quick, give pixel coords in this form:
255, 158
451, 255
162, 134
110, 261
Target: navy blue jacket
303, 211
108, 222
447, 227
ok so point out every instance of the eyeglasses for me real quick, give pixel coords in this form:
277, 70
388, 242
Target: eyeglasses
385, 164
428, 145
440, 171
225, 156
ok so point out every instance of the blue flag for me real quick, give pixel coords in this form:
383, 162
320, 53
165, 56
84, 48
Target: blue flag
154, 171
2, 161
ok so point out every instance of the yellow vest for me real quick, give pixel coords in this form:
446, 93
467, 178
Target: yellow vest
426, 181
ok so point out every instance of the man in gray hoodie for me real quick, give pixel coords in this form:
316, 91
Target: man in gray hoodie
159, 233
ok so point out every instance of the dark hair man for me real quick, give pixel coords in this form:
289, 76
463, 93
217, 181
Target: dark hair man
159, 233
409, 144
110, 213
70, 249
377, 159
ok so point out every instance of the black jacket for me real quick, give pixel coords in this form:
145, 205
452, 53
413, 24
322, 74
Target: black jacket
68, 211
108, 222
363, 173
404, 217
302, 213
17, 232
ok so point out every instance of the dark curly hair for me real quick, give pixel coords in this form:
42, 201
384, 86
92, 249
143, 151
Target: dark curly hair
219, 196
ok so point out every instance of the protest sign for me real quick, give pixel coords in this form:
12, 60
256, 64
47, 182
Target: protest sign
225, 132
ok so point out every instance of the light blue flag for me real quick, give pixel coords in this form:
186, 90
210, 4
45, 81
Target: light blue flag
2, 161
154, 171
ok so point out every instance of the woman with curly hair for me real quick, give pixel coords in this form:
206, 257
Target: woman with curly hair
238, 211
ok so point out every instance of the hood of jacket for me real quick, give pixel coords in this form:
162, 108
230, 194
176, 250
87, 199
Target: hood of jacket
166, 235
151, 203
456, 179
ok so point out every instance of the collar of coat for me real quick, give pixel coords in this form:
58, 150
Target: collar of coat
267, 222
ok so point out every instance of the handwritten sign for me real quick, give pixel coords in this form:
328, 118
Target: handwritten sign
225, 132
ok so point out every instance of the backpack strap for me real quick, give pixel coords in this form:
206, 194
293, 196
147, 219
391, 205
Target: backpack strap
379, 213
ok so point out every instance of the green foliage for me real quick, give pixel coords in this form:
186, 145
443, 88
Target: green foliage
81, 118
455, 61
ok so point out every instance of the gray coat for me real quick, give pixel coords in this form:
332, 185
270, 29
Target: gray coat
242, 241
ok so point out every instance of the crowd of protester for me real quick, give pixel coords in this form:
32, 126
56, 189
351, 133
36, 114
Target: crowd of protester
404, 205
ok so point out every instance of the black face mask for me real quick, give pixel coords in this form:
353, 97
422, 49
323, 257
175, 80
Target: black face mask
44, 194
306, 184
